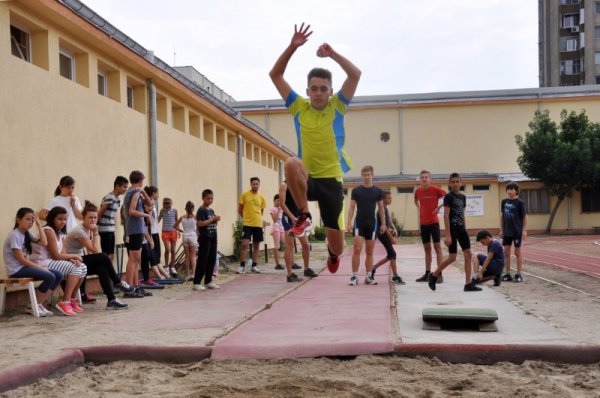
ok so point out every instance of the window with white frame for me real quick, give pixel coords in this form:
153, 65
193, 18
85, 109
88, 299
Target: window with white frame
571, 44
536, 201
20, 43
130, 96
570, 20
102, 83
66, 64
570, 66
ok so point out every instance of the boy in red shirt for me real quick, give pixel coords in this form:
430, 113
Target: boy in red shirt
427, 199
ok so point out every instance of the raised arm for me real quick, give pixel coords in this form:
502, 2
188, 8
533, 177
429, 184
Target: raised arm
352, 72
298, 39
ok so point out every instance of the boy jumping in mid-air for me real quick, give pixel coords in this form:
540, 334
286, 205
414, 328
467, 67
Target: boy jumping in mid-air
316, 174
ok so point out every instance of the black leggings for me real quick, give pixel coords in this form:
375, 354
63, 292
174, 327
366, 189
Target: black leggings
100, 264
205, 264
149, 259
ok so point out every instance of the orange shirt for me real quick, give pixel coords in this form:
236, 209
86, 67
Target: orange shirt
428, 201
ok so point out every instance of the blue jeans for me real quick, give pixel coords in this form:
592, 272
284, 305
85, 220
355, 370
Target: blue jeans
51, 278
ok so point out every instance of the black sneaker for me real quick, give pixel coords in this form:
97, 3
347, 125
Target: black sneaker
144, 292
296, 266
470, 287
476, 281
116, 305
507, 278
497, 280
124, 287
518, 278
424, 278
398, 280
293, 278
133, 295
309, 273
431, 280
279, 267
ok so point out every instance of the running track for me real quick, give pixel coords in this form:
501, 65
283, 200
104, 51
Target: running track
572, 262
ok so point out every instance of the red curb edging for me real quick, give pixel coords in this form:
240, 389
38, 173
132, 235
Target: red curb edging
479, 354
168, 354
27, 374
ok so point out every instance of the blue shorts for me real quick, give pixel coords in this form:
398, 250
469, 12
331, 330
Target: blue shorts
494, 268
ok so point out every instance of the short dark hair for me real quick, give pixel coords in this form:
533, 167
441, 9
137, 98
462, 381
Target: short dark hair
206, 192
254, 179
513, 185
88, 207
136, 176
150, 190
276, 196
367, 168
320, 72
120, 181
454, 175
481, 235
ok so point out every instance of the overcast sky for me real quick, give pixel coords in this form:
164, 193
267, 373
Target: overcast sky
401, 46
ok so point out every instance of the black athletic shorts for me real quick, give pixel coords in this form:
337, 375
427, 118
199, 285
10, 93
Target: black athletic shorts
389, 247
107, 242
430, 232
329, 194
135, 242
462, 237
254, 233
369, 231
507, 241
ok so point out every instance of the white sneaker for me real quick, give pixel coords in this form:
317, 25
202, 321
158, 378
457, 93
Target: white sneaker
199, 288
241, 270
213, 285
40, 312
255, 270
44, 310
353, 281
370, 281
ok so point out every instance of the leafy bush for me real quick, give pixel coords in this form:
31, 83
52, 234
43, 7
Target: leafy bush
319, 234
399, 227
237, 238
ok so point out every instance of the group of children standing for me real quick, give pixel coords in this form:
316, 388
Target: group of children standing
79, 240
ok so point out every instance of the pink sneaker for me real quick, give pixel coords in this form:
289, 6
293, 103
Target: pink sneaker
66, 309
302, 227
150, 282
75, 306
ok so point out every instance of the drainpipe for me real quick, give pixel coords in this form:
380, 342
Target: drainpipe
569, 214
152, 131
240, 169
400, 137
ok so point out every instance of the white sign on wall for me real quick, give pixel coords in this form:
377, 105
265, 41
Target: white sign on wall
474, 206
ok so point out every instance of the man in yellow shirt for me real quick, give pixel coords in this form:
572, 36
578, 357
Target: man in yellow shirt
316, 174
251, 207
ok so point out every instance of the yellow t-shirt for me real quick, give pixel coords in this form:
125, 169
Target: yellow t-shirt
253, 204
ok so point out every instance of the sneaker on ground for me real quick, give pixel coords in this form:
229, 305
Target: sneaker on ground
476, 281
87, 298
471, 287
213, 285
302, 227
241, 270
370, 281
65, 309
497, 280
296, 266
424, 278
398, 280
199, 288
518, 278
431, 281
116, 305
279, 267
125, 288
255, 270
507, 278
150, 282
293, 278
189, 279
353, 281
45, 310
310, 273
143, 292
40, 313
75, 306
173, 271
133, 294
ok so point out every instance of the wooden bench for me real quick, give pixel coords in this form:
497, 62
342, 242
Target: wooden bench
29, 282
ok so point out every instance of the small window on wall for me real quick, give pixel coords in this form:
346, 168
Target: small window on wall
20, 44
130, 96
536, 201
590, 200
462, 188
405, 190
67, 64
102, 83
481, 188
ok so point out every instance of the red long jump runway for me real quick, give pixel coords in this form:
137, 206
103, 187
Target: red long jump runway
572, 262
323, 317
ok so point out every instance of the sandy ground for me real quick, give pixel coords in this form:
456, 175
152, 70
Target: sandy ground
573, 306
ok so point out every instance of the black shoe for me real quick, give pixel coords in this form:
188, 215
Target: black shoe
497, 280
143, 291
470, 287
431, 281
424, 278
476, 281
279, 267
133, 295
87, 298
507, 278
397, 280
309, 273
296, 266
517, 278
293, 278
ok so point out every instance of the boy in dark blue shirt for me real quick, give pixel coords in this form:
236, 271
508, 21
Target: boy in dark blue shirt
490, 266
513, 229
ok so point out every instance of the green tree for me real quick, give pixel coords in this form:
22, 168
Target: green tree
564, 156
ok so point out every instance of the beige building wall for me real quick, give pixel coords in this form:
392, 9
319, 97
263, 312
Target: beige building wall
51, 126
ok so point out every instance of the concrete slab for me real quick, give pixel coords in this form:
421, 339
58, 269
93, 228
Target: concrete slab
515, 326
